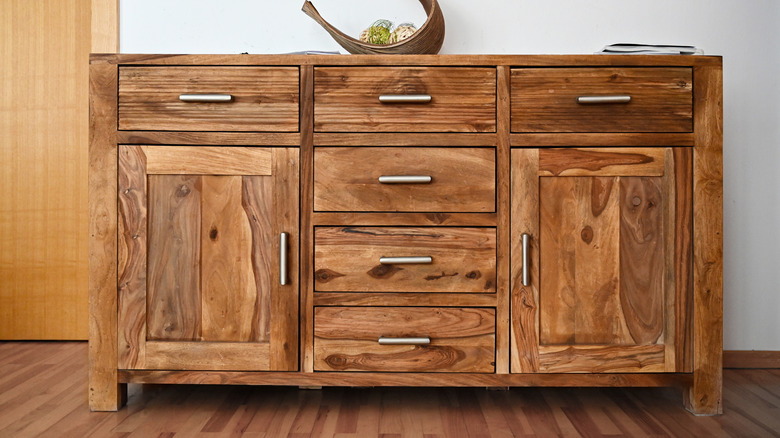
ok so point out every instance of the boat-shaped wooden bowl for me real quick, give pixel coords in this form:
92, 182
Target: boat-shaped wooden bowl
426, 40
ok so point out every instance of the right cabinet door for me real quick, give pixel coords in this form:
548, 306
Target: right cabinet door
601, 260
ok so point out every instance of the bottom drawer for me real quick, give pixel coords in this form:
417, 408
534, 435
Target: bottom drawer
405, 339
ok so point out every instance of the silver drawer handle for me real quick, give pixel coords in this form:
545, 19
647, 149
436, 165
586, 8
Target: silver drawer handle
526, 274
597, 100
283, 259
405, 179
205, 97
405, 98
406, 260
403, 341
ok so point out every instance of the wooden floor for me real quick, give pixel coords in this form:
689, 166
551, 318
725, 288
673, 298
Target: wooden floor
43, 392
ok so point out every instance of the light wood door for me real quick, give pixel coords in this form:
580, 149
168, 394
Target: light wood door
607, 259
45, 46
200, 256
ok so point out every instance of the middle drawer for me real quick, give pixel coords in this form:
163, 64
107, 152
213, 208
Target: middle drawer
378, 179
401, 259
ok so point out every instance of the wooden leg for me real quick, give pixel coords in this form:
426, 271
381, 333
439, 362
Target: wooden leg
108, 398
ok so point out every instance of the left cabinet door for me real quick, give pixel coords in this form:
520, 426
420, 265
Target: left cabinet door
201, 259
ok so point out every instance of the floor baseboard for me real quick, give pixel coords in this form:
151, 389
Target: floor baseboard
751, 359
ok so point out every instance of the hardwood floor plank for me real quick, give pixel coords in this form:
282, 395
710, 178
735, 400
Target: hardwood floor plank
43, 389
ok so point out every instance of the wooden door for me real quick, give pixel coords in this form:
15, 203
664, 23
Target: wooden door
43, 162
608, 260
200, 286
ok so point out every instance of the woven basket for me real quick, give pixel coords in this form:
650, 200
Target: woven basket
427, 40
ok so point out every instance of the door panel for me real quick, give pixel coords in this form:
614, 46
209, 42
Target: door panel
604, 294
206, 292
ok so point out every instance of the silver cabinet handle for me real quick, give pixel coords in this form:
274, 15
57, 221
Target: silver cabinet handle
205, 97
404, 341
406, 260
405, 179
598, 100
283, 259
526, 274
405, 98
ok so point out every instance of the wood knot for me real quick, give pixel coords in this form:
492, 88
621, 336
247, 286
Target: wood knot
326, 275
182, 191
587, 234
213, 233
473, 275
383, 271
636, 201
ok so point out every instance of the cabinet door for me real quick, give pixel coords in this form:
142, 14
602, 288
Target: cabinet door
200, 286
607, 255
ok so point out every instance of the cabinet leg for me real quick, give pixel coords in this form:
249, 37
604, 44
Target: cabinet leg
705, 396
112, 397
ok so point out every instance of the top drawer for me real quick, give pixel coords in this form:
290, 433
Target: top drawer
254, 98
602, 100
376, 99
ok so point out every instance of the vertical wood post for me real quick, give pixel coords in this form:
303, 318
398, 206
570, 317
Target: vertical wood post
705, 395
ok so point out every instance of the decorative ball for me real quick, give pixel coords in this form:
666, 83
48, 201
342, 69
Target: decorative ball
377, 33
402, 32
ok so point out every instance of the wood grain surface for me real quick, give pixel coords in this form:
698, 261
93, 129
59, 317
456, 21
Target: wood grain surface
346, 259
263, 98
461, 339
347, 99
705, 396
545, 100
207, 282
607, 290
462, 179
105, 391
44, 116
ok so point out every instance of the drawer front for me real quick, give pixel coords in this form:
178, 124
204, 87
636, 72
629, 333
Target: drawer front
404, 339
562, 100
368, 259
254, 98
405, 179
347, 99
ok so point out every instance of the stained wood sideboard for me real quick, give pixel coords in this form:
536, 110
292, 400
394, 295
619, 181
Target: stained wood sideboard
453, 220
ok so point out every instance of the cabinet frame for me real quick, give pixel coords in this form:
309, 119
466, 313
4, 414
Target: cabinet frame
702, 387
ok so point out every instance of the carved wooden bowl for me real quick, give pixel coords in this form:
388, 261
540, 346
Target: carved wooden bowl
426, 40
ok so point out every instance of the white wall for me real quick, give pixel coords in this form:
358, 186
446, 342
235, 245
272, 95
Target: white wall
745, 32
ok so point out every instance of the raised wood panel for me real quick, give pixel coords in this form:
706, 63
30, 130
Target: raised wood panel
208, 281
461, 339
43, 136
462, 180
230, 292
347, 99
346, 259
545, 100
607, 250
208, 160
263, 98
174, 255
